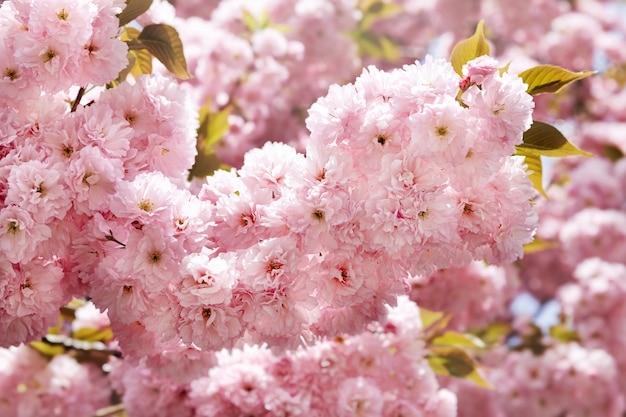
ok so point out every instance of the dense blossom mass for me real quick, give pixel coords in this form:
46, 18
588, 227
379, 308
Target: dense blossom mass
366, 177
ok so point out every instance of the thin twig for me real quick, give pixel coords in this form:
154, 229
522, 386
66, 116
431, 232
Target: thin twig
79, 96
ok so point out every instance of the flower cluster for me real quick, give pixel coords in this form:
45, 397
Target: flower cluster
52, 46
286, 248
343, 377
32, 385
567, 379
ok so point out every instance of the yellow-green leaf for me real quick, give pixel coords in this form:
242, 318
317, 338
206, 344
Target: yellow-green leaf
249, 20
252, 23
550, 78
373, 45
163, 42
133, 9
433, 322
539, 245
376, 10
142, 62
429, 317
563, 334
47, 349
544, 139
129, 33
469, 49
504, 68
477, 379
205, 165
535, 170
90, 334
451, 338
213, 125
452, 361
494, 333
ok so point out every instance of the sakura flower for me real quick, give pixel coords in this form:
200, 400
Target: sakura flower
359, 397
20, 234
93, 178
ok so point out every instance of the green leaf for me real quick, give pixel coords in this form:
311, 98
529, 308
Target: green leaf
469, 49
206, 165
613, 152
142, 63
133, 9
504, 68
550, 78
213, 125
47, 349
429, 317
129, 33
452, 361
162, 41
458, 339
90, 334
535, 170
375, 46
538, 245
252, 23
376, 10
477, 379
249, 20
544, 139
436, 328
563, 334
494, 333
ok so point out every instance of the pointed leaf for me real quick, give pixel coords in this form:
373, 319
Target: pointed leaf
613, 152
433, 322
478, 379
47, 349
390, 50
494, 333
504, 68
534, 169
376, 10
373, 45
89, 334
133, 9
550, 78
205, 165
429, 317
142, 63
249, 20
163, 42
563, 334
458, 339
539, 245
129, 33
544, 139
452, 361
469, 49
213, 125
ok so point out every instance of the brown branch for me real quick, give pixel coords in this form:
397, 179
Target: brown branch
79, 96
